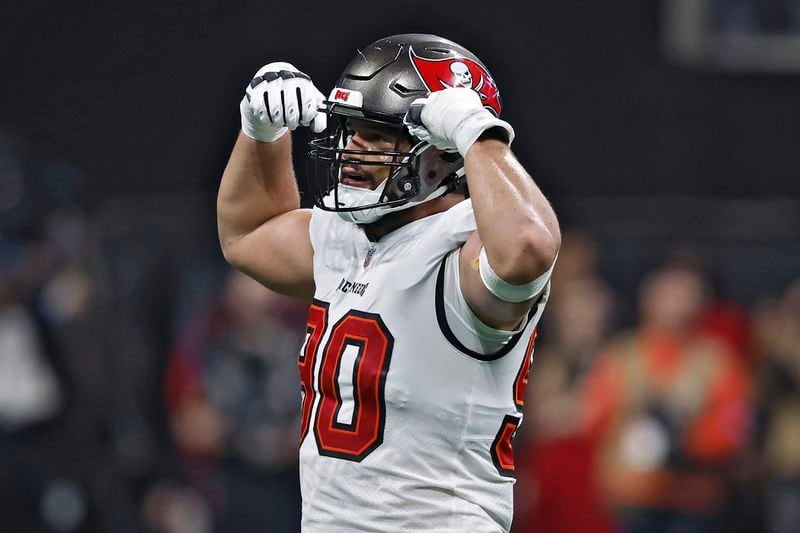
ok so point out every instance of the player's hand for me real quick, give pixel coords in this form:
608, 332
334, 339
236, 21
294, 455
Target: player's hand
279, 99
453, 119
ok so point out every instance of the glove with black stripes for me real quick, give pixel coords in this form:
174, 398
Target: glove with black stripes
279, 99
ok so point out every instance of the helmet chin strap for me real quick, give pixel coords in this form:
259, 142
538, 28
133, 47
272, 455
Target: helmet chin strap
350, 196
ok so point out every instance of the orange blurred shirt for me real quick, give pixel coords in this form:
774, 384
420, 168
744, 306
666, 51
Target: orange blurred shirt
710, 438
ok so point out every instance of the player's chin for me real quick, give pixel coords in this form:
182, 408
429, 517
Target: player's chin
358, 182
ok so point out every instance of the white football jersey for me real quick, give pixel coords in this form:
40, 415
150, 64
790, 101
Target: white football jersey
404, 428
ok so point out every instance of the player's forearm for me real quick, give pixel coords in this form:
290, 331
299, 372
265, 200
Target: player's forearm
516, 223
258, 184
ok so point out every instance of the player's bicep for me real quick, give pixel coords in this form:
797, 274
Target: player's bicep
278, 254
489, 308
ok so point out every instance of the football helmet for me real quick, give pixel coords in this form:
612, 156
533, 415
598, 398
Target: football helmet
378, 87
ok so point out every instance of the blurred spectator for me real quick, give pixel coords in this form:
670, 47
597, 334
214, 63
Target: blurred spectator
669, 407
233, 402
721, 318
578, 327
777, 343
58, 400
171, 508
577, 260
729, 323
555, 492
29, 388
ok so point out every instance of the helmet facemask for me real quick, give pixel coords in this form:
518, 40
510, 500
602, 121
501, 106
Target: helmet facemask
416, 175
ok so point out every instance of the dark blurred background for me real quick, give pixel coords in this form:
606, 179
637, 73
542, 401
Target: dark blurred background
145, 387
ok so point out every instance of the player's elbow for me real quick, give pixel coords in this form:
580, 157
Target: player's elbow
231, 251
534, 252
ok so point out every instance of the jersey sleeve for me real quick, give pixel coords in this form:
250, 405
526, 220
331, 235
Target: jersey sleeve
466, 327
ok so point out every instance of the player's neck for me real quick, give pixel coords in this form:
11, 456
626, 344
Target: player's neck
388, 223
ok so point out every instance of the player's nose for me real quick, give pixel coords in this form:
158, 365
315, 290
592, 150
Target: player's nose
355, 142
356, 146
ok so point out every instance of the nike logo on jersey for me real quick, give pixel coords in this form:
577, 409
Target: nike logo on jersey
352, 286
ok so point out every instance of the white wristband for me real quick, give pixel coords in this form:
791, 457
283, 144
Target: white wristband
472, 128
507, 291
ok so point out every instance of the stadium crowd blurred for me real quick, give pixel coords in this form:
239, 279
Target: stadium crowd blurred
146, 390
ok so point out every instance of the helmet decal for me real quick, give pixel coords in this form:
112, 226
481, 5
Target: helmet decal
440, 74
346, 96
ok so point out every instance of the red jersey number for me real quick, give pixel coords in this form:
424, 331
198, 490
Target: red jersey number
317, 322
502, 450
368, 338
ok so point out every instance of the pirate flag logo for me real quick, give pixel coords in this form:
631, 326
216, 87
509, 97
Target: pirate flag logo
440, 74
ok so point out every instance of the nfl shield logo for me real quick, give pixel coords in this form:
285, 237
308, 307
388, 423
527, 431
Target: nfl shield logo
368, 258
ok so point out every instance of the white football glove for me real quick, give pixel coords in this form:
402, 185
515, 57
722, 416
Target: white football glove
452, 119
278, 99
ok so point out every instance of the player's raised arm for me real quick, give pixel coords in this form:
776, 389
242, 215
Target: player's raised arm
506, 264
262, 231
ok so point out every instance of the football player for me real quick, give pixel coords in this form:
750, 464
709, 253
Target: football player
426, 261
